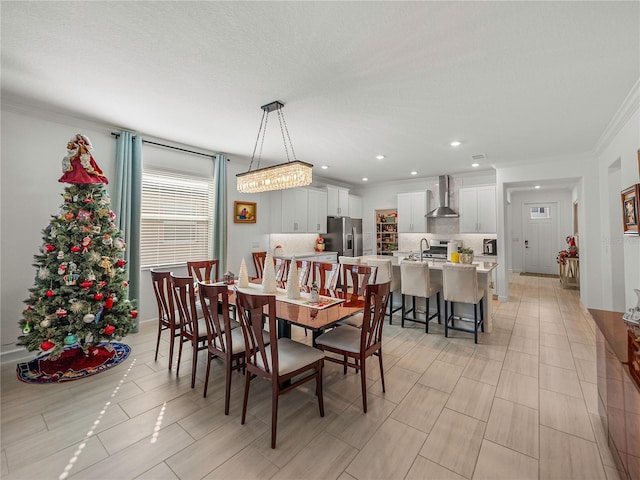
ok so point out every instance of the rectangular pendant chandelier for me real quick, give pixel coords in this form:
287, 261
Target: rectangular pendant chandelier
278, 177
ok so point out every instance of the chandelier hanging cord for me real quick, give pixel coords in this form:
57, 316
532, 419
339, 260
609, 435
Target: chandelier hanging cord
263, 121
283, 130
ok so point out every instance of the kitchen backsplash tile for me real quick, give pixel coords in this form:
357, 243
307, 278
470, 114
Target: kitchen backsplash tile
293, 244
410, 242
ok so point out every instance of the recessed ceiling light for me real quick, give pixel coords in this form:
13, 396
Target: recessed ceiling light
364, 179
324, 167
455, 143
475, 164
414, 173
537, 186
379, 157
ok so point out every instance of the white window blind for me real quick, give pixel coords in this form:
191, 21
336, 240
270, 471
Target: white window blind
177, 217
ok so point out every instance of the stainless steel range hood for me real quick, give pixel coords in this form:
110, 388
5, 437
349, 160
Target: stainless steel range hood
443, 211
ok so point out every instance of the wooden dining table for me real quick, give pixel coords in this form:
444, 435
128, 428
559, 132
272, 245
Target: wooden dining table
334, 305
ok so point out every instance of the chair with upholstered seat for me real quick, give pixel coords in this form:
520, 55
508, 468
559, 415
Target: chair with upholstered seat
359, 276
326, 275
192, 328
204, 271
258, 262
360, 343
167, 318
386, 273
460, 285
223, 340
418, 282
285, 363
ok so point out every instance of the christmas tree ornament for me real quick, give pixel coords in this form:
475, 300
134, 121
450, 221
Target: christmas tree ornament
108, 304
88, 318
61, 312
98, 296
79, 166
43, 273
120, 245
107, 239
134, 314
243, 276
83, 216
86, 284
102, 284
106, 264
46, 323
50, 248
49, 293
60, 255
86, 243
109, 329
72, 267
98, 315
96, 229
125, 284
75, 249
91, 276
77, 306
71, 278
62, 268
27, 328
120, 263
70, 339
46, 346
94, 256
69, 216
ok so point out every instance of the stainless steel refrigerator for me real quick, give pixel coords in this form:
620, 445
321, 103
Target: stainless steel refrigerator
344, 235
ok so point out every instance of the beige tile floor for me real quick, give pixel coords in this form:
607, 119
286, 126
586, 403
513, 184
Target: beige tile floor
519, 405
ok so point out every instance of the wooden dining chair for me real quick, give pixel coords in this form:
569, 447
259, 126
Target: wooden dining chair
280, 361
305, 268
326, 275
192, 328
360, 343
258, 262
204, 271
167, 318
357, 277
223, 340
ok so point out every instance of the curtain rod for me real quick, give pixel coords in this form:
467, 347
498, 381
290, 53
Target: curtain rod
171, 147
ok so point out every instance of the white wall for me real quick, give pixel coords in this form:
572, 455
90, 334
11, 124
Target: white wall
618, 168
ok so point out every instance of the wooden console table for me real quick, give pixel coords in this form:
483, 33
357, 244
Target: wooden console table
570, 272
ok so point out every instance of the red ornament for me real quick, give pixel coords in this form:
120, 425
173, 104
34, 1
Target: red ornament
125, 284
75, 249
50, 248
47, 345
49, 293
134, 314
68, 217
120, 263
102, 284
98, 296
109, 302
86, 284
109, 329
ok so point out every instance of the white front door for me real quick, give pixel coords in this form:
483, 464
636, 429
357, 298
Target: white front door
540, 222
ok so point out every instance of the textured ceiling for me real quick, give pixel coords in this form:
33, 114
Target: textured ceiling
513, 80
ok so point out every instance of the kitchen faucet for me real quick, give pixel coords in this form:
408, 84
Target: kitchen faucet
421, 249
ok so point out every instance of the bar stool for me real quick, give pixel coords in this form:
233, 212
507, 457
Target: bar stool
416, 281
386, 273
460, 284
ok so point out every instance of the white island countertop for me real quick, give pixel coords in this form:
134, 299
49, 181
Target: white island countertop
436, 264
298, 255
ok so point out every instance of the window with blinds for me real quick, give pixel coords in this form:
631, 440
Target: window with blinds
177, 218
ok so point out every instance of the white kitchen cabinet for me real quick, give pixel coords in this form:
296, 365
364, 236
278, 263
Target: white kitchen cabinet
355, 206
412, 207
294, 210
317, 211
477, 209
337, 201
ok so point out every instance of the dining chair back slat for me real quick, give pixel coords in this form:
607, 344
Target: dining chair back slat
359, 277
326, 275
258, 262
204, 271
305, 267
282, 270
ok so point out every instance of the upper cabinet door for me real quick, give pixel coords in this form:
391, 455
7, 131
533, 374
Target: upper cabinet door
355, 206
412, 208
294, 210
317, 211
478, 209
337, 201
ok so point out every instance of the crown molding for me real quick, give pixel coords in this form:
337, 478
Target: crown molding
629, 106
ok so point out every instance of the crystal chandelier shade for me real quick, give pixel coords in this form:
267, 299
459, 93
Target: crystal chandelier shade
278, 177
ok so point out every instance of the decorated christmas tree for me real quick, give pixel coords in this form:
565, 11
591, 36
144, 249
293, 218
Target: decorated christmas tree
80, 291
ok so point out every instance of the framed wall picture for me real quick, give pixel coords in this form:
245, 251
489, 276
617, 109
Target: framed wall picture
630, 209
245, 212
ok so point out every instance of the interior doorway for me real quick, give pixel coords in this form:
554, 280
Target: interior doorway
540, 225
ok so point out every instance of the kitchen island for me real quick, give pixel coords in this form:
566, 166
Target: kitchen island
484, 270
